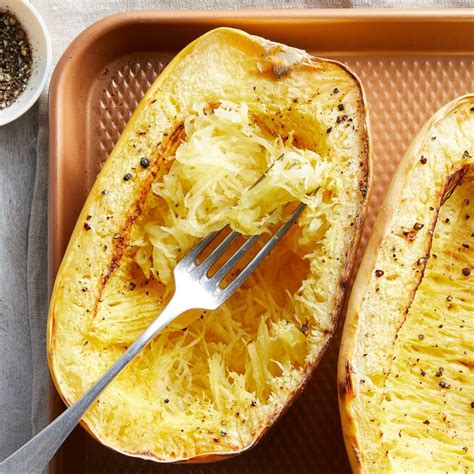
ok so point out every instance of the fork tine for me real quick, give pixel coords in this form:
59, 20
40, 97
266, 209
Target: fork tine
217, 252
258, 259
191, 256
238, 255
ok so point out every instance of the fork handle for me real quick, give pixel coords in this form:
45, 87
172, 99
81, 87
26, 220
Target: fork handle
35, 455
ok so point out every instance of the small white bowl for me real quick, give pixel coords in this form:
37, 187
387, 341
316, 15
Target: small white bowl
38, 37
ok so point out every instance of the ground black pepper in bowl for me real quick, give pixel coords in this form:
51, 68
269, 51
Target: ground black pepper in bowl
15, 59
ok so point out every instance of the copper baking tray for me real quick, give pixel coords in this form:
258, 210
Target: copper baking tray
410, 62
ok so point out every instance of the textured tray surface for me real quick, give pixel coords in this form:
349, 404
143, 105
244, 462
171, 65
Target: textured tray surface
402, 92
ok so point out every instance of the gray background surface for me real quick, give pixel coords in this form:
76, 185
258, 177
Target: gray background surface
23, 212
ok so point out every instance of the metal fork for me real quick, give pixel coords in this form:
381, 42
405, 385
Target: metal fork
195, 289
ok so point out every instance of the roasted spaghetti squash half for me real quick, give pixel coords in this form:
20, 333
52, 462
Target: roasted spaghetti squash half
406, 360
229, 109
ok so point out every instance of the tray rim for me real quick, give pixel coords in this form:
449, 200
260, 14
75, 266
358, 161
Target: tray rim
85, 39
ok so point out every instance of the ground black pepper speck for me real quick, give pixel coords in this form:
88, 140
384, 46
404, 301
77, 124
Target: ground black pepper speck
15, 59
145, 162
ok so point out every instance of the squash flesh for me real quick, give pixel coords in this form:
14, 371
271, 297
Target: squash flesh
399, 302
211, 383
229, 171
232, 366
426, 414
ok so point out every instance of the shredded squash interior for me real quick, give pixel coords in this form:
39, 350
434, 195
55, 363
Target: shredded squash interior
212, 380
229, 171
